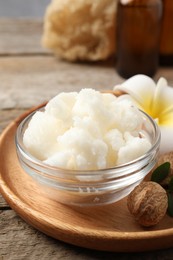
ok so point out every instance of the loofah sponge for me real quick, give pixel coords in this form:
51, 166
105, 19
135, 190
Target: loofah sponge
80, 29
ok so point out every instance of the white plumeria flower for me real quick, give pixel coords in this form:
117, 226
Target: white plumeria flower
156, 100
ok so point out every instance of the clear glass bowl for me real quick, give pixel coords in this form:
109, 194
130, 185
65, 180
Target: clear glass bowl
89, 188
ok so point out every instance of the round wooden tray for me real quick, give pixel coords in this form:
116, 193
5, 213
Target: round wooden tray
109, 228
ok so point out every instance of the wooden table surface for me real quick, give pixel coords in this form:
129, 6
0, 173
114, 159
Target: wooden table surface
30, 75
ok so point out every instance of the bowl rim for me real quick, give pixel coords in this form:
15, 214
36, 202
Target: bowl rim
94, 172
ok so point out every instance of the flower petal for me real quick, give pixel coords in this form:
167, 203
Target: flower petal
162, 106
141, 88
166, 144
166, 119
158, 104
131, 99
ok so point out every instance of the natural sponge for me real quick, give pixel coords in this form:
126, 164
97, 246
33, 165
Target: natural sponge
80, 29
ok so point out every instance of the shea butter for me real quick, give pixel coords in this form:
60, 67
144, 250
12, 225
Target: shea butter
87, 130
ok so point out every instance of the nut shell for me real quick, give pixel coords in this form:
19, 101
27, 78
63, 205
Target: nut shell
148, 203
168, 157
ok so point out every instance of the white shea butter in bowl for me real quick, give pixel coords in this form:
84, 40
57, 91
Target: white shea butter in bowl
86, 130
88, 148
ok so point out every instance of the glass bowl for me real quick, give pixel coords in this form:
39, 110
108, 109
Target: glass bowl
89, 188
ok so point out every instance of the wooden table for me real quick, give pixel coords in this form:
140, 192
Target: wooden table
30, 75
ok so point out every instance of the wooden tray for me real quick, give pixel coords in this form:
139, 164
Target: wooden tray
109, 228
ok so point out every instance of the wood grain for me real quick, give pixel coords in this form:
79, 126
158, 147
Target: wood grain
109, 228
7, 116
29, 81
3, 203
19, 241
29, 75
19, 36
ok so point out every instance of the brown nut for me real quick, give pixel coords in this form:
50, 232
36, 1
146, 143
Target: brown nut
148, 203
167, 157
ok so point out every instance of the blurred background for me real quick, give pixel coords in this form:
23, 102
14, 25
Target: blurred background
23, 8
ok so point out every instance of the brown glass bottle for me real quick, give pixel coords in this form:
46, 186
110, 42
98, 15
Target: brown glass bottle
166, 43
138, 35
